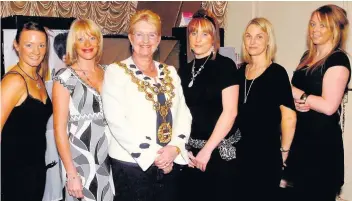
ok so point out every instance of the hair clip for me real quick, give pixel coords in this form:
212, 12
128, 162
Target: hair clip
201, 15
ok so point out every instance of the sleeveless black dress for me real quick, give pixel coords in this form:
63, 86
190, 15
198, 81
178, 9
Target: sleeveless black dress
23, 146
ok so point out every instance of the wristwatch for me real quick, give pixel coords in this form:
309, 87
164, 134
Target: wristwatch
304, 97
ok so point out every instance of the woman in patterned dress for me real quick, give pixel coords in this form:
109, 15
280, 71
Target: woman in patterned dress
79, 123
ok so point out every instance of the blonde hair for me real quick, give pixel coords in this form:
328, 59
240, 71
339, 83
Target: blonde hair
335, 19
148, 16
86, 26
209, 25
267, 28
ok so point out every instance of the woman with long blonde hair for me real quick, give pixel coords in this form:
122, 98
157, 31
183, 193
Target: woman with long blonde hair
266, 116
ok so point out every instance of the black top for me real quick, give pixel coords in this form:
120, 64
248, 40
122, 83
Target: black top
260, 117
23, 140
318, 137
204, 98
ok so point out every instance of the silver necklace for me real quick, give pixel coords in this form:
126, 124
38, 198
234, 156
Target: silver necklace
85, 75
195, 74
250, 86
245, 87
35, 79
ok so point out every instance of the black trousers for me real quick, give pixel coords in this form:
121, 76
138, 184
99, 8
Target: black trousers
133, 184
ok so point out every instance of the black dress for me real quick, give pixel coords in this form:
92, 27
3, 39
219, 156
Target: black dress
204, 100
23, 146
259, 119
316, 160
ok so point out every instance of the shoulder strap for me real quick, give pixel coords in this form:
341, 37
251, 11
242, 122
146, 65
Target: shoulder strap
15, 72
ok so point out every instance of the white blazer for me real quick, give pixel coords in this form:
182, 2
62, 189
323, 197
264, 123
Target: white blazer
132, 119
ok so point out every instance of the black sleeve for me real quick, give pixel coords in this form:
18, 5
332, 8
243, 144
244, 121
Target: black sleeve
228, 75
284, 90
337, 58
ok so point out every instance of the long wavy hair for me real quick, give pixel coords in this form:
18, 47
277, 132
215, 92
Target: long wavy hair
335, 19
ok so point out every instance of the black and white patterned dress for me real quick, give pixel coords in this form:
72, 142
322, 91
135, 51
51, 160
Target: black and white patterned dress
88, 137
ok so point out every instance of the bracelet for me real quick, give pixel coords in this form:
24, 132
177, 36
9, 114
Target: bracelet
73, 177
178, 150
304, 97
284, 150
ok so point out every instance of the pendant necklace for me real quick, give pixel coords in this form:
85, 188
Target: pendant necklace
194, 75
36, 80
245, 87
90, 83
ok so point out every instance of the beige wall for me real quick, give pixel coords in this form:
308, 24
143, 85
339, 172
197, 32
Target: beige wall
290, 21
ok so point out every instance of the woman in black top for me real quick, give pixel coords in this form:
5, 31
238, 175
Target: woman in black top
316, 162
210, 87
266, 115
25, 110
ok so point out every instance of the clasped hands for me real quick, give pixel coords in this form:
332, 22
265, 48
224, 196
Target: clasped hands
301, 105
201, 160
165, 160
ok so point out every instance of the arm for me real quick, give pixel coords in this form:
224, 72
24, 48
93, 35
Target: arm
334, 84
222, 127
116, 115
288, 126
13, 89
61, 98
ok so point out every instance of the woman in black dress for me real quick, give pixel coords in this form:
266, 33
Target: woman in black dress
266, 115
25, 110
316, 162
210, 87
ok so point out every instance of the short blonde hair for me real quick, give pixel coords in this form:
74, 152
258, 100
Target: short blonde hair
209, 24
148, 16
86, 26
267, 28
335, 19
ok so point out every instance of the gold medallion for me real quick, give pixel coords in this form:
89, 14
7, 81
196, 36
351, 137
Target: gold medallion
165, 132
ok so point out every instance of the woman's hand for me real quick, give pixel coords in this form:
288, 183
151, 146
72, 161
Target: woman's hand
284, 158
301, 105
192, 160
168, 169
74, 186
166, 157
202, 159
